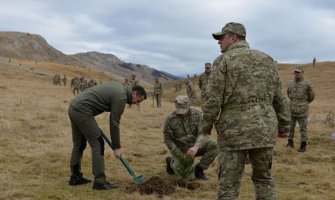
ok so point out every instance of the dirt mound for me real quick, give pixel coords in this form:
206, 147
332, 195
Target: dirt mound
160, 187
155, 185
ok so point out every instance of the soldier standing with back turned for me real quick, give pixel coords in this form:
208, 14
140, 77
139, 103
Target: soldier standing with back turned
301, 94
158, 91
244, 98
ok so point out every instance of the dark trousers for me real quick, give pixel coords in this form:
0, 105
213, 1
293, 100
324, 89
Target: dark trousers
85, 128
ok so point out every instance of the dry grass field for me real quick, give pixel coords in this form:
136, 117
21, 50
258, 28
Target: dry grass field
35, 141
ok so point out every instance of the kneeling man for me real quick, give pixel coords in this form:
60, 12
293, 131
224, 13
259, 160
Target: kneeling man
183, 136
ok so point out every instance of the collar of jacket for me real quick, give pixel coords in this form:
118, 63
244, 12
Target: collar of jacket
299, 79
238, 44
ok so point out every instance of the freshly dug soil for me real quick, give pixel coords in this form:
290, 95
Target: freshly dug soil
155, 185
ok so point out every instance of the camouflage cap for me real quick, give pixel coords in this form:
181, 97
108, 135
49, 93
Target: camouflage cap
208, 64
299, 69
231, 27
182, 104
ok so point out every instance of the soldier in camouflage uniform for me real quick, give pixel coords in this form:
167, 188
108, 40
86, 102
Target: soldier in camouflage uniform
134, 82
64, 80
75, 85
57, 80
92, 82
301, 94
83, 84
203, 79
245, 101
126, 82
176, 86
158, 91
110, 97
183, 135
190, 91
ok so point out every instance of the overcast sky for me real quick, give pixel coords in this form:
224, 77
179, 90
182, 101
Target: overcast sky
175, 35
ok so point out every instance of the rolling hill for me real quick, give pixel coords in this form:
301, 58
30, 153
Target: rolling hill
26, 46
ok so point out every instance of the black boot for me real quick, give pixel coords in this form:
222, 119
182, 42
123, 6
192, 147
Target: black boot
169, 169
78, 180
290, 143
199, 173
104, 186
302, 147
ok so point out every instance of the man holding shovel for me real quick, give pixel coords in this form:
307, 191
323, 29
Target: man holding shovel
110, 97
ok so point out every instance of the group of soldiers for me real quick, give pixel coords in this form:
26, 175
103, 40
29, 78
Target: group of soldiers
81, 83
246, 104
241, 97
189, 83
57, 80
157, 89
78, 83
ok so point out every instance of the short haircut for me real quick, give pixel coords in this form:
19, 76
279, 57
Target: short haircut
140, 91
240, 37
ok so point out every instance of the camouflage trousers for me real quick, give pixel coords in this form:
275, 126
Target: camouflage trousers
303, 122
85, 128
207, 152
158, 98
231, 168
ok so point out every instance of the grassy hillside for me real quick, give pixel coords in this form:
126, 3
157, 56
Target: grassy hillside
35, 141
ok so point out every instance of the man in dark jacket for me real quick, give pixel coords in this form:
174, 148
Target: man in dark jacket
107, 97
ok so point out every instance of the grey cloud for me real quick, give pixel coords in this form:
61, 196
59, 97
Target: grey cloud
175, 36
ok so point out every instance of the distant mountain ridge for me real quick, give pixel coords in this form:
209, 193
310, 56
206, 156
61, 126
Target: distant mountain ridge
34, 47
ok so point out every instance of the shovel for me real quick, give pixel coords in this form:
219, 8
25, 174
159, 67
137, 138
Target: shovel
137, 179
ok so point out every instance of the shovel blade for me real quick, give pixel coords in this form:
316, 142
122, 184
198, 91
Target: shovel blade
139, 179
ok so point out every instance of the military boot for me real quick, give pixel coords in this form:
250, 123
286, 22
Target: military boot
78, 180
199, 173
302, 147
104, 186
169, 169
290, 143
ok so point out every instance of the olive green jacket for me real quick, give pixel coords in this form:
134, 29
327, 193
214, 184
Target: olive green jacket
110, 97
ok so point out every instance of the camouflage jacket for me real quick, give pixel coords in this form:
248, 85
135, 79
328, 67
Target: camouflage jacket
158, 89
203, 81
301, 93
182, 133
133, 83
245, 89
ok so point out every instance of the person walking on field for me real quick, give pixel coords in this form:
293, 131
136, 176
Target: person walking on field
110, 97
245, 101
158, 91
203, 79
183, 136
301, 94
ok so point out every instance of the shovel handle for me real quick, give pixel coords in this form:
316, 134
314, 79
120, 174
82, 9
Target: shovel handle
121, 158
